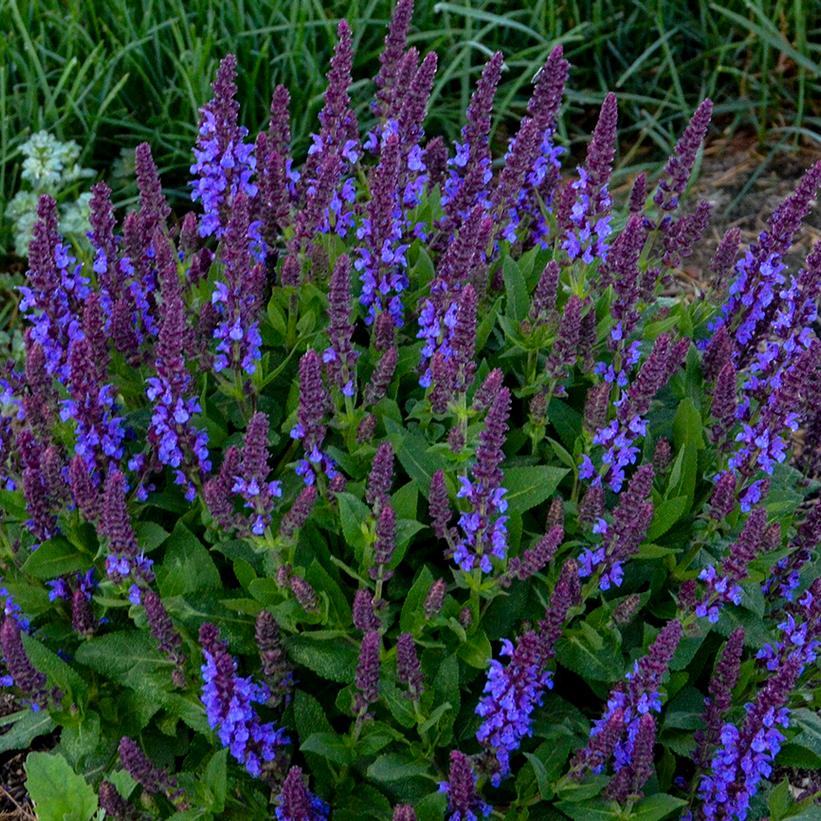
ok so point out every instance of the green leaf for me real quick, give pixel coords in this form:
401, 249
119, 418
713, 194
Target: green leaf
330, 746
352, 513
516, 290
187, 566
56, 557
58, 793
333, 660
477, 651
82, 738
415, 455
413, 613
25, 727
58, 672
590, 810
216, 777
150, 535
396, 767
666, 515
779, 801
591, 654
656, 807
530, 486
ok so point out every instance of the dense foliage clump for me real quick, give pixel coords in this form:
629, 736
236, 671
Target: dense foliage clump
390, 485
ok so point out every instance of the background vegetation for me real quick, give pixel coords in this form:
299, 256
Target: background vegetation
110, 74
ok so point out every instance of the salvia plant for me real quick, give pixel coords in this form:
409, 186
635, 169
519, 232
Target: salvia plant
396, 483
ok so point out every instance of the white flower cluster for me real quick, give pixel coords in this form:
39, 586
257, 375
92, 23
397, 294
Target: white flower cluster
49, 167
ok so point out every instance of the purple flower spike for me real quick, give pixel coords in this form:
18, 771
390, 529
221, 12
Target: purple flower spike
536, 558
276, 668
464, 802
228, 700
680, 165
151, 778
723, 585
381, 260
380, 478
113, 803
26, 678
387, 89
297, 803
154, 210
176, 441
238, 297
382, 377
310, 428
470, 171
724, 257
224, 162
638, 694
408, 669
435, 599
404, 812
165, 634
367, 672
512, 692
588, 220
340, 357
301, 509
629, 780
125, 560
484, 525
385, 544
746, 752
725, 676
364, 618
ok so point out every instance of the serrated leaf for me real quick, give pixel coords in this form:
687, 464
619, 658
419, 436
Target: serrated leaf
665, 515
413, 614
58, 793
396, 767
25, 727
530, 486
515, 289
332, 660
656, 807
187, 566
216, 777
415, 455
56, 557
330, 746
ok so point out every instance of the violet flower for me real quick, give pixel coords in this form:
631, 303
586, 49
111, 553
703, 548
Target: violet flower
125, 559
638, 694
408, 669
680, 164
512, 692
228, 699
381, 260
720, 699
340, 357
367, 673
165, 634
387, 89
54, 292
310, 427
30, 681
238, 296
224, 162
484, 525
274, 665
589, 218
297, 803
176, 441
464, 802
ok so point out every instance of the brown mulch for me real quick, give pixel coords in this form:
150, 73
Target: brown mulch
745, 183
14, 803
